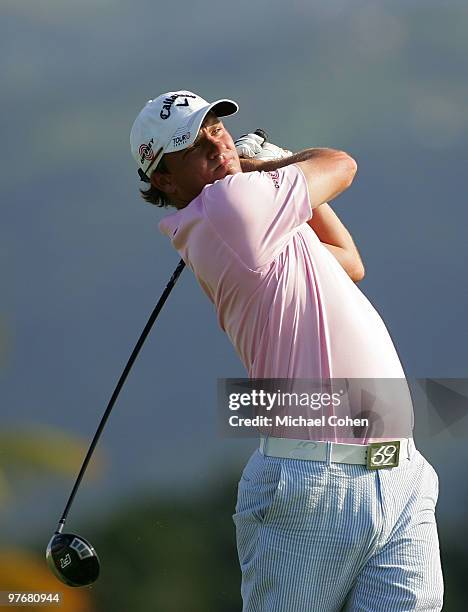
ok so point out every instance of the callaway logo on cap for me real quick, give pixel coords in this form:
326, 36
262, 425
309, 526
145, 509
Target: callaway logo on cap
170, 123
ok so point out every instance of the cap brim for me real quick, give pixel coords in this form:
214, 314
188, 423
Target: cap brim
222, 108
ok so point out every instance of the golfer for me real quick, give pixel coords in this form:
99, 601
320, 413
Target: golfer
321, 524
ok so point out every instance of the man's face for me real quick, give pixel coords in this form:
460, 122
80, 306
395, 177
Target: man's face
211, 157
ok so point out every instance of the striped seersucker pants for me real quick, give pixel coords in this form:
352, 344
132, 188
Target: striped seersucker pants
317, 536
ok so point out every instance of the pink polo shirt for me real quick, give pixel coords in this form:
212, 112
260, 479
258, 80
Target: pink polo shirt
287, 305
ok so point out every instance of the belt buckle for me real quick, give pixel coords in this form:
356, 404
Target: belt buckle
381, 455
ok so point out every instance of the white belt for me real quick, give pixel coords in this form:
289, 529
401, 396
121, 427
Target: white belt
314, 450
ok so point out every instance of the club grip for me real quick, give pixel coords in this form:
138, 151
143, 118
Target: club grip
262, 134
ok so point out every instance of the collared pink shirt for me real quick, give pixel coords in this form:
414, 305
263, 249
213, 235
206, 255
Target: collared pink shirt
287, 305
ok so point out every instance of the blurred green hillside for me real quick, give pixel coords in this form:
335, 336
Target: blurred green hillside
179, 555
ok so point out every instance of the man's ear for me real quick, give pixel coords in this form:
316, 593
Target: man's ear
163, 181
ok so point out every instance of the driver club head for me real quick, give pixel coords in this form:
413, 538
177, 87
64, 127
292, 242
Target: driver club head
72, 559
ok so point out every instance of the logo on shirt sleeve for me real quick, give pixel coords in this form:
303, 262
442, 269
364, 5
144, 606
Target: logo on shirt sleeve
274, 175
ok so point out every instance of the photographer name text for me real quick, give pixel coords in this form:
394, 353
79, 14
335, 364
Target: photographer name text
298, 421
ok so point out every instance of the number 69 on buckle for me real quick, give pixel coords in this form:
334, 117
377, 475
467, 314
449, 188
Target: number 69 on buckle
383, 455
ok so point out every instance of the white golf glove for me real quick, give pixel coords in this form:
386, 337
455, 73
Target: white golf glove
254, 146
271, 151
249, 145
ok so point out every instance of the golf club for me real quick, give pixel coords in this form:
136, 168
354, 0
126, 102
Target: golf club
71, 558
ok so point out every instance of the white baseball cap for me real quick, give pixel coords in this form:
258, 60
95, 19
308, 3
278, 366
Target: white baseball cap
170, 123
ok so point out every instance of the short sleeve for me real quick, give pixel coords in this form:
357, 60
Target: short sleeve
257, 213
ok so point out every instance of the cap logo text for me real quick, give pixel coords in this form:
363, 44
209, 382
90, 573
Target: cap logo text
178, 141
168, 102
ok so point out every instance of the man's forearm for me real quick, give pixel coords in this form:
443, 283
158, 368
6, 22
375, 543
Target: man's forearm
330, 229
250, 164
334, 235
